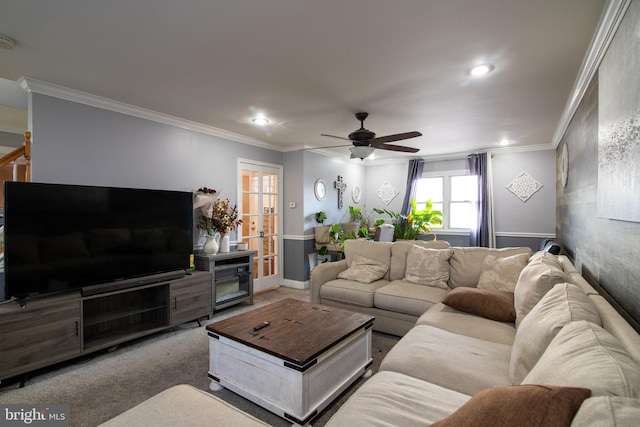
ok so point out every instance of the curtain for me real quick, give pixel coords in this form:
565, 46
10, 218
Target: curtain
414, 173
483, 234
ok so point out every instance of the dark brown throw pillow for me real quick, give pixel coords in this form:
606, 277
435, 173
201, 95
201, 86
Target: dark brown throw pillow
519, 405
488, 303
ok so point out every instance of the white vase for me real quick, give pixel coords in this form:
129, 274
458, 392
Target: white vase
211, 246
224, 243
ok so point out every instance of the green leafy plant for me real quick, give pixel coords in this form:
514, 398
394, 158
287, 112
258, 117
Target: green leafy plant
415, 223
321, 217
355, 214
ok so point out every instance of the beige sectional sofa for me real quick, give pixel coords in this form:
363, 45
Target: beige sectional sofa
396, 303
456, 364
505, 337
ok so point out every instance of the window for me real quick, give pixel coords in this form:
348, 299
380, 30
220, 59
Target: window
453, 193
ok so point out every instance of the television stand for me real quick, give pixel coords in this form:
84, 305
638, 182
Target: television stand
131, 283
55, 328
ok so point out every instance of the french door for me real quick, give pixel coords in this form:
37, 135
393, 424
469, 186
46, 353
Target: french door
260, 208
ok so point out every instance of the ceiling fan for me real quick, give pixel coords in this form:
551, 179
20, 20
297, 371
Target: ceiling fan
365, 142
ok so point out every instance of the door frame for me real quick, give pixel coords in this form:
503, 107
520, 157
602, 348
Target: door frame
241, 162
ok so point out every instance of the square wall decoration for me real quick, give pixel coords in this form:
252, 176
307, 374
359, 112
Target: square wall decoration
524, 186
386, 193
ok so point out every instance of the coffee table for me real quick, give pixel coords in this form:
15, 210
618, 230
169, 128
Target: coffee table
298, 364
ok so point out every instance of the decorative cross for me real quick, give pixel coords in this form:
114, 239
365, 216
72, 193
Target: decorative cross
341, 187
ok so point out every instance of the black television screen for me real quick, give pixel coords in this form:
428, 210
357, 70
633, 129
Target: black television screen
63, 237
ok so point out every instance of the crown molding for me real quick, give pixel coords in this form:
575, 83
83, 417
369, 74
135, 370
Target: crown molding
50, 89
609, 22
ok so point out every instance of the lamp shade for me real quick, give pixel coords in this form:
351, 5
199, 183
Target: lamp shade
361, 152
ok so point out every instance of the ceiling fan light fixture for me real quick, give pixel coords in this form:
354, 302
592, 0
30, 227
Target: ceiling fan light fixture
481, 70
361, 152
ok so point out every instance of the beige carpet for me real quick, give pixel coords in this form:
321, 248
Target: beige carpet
105, 384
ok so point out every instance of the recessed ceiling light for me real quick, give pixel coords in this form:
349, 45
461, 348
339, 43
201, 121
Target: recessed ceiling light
260, 121
481, 70
504, 141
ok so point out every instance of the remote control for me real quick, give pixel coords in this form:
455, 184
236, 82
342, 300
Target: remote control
261, 325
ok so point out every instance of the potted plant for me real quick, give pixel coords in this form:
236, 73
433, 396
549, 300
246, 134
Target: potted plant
322, 231
408, 227
355, 220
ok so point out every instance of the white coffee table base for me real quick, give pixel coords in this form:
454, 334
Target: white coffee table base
295, 393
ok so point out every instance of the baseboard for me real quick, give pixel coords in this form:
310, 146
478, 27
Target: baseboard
296, 284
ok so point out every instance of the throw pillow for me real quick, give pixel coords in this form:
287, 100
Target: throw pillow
501, 274
364, 270
428, 267
490, 304
564, 303
536, 279
585, 355
532, 405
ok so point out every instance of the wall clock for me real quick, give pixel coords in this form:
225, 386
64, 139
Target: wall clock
320, 189
564, 165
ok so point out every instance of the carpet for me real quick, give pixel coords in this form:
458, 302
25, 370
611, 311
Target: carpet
104, 384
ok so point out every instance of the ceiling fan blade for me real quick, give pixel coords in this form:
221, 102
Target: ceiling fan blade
333, 136
396, 137
322, 148
392, 147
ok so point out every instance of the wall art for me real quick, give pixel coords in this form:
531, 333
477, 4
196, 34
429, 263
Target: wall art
524, 186
386, 193
619, 123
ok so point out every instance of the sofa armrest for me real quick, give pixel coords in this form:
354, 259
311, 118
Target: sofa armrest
322, 274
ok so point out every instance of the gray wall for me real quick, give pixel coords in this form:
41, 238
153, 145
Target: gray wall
517, 223
537, 214
78, 144
8, 139
606, 249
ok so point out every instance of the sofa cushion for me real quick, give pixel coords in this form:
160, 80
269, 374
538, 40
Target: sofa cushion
428, 267
400, 249
403, 297
459, 322
184, 405
607, 411
564, 303
531, 405
466, 263
351, 292
464, 364
491, 304
536, 279
377, 251
585, 355
501, 274
393, 399
364, 270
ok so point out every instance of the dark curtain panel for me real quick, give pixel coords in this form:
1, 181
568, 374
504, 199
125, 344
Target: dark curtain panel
415, 173
478, 166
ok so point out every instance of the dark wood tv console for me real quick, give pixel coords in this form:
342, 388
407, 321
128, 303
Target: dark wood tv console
51, 329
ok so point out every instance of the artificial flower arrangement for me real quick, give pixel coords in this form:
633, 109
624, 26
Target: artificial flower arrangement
217, 215
224, 218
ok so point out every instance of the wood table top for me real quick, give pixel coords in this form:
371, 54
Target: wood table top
298, 331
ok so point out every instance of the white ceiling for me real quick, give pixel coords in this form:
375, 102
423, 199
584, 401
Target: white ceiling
309, 65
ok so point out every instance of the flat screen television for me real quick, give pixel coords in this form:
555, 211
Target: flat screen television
63, 237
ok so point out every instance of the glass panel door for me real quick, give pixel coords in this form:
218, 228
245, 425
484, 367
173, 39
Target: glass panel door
261, 221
